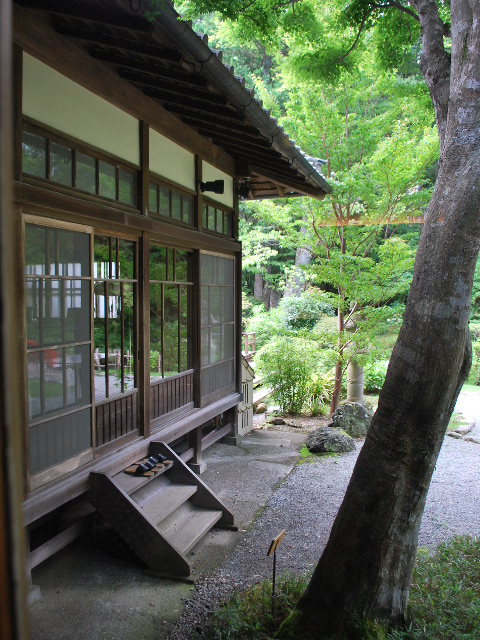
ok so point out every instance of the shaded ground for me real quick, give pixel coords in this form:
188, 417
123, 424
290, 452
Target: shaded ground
97, 588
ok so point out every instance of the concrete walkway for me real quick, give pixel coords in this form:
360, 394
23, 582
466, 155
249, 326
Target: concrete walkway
96, 589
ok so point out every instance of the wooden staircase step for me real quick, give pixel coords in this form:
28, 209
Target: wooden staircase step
166, 501
130, 483
188, 524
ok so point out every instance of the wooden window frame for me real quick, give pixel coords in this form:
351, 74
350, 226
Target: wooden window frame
158, 182
225, 211
77, 147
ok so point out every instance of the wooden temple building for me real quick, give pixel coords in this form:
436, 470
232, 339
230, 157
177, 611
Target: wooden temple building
132, 145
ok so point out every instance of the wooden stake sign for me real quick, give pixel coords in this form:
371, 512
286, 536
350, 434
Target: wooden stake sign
276, 542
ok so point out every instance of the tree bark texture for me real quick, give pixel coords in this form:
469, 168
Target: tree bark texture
364, 573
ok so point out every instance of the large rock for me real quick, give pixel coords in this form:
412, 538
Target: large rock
328, 440
352, 417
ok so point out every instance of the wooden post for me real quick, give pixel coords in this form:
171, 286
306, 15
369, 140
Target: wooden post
13, 610
196, 464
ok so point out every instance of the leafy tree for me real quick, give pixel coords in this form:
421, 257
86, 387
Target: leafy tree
363, 578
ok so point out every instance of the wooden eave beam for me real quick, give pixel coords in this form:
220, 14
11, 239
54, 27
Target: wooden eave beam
199, 106
269, 168
238, 127
34, 33
302, 189
115, 42
169, 91
127, 63
147, 80
245, 141
96, 15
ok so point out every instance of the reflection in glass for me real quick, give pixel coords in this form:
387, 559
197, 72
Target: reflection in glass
188, 209
170, 348
156, 324
61, 164
164, 206
34, 155
126, 187
106, 180
153, 198
176, 205
86, 173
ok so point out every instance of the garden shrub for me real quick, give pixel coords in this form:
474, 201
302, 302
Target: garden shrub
474, 375
304, 311
267, 325
294, 369
374, 375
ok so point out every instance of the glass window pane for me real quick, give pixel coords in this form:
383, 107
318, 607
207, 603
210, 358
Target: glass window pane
205, 217
205, 313
106, 180
188, 209
34, 391
52, 312
101, 257
227, 271
176, 205
73, 251
171, 330
185, 333
211, 218
158, 263
77, 362
35, 250
128, 361
227, 225
34, 155
205, 347
126, 187
99, 315
126, 259
61, 164
227, 341
164, 206
227, 304
85, 173
215, 345
77, 310
155, 331
114, 339
215, 305
182, 268
53, 380
153, 198
32, 306
207, 269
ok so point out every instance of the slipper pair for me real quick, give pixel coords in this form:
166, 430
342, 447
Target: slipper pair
147, 467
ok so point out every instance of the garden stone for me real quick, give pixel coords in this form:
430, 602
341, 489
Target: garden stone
328, 440
261, 408
465, 428
352, 417
275, 420
472, 439
454, 434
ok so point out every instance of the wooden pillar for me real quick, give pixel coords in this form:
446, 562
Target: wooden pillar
196, 464
13, 608
143, 355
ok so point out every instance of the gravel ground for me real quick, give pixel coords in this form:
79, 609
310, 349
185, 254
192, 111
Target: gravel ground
306, 503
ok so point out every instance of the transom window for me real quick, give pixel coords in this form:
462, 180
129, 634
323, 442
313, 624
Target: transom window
61, 162
218, 220
170, 203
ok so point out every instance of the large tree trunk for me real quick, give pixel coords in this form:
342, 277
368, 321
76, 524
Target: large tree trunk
365, 571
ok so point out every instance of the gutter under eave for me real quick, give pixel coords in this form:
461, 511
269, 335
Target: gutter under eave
170, 21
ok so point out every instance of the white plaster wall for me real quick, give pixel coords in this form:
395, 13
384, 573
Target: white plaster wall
62, 104
210, 173
171, 162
